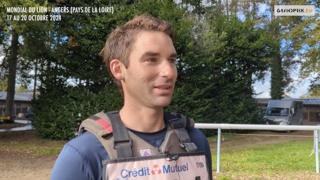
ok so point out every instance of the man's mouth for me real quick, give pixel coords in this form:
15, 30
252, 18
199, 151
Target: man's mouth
164, 89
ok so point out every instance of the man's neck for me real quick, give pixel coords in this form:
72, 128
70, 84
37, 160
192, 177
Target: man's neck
142, 119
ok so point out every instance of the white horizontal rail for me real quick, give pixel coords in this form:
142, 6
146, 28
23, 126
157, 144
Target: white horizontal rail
261, 127
254, 126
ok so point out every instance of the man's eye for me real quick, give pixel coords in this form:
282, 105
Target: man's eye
172, 60
152, 60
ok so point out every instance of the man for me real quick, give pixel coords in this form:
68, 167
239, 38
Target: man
140, 56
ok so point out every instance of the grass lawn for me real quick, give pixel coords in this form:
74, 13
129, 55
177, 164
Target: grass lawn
289, 160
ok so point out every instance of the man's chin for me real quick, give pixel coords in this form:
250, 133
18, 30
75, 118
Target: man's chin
163, 102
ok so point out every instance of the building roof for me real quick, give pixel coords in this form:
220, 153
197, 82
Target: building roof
311, 101
17, 96
306, 101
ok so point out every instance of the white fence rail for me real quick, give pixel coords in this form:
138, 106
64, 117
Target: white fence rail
261, 127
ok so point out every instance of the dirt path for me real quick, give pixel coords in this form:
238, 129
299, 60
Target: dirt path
20, 158
242, 141
262, 138
25, 167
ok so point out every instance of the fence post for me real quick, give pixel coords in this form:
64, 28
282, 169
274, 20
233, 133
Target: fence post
218, 150
316, 148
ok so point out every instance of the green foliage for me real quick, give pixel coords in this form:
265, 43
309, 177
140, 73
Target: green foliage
13, 61
277, 84
217, 58
215, 82
314, 88
75, 43
21, 88
56, 113
307, 38
4, 84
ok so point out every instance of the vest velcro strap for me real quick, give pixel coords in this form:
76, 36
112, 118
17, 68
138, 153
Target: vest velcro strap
98, 124
106, 126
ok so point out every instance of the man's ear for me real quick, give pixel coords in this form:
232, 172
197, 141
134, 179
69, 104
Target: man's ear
117, 69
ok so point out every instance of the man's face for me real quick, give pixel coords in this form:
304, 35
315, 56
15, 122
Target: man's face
150, 78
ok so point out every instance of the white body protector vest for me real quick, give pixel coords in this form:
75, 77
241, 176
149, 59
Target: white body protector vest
133, 158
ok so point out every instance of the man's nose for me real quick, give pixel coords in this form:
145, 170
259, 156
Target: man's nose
168, 69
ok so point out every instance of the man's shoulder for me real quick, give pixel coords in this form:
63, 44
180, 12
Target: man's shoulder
86, 143
80, 158
86, 137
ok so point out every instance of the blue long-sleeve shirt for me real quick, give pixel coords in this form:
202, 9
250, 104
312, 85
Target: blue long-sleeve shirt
81, 158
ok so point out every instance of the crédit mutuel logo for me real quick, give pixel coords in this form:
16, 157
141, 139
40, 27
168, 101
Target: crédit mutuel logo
294, 10
155, 170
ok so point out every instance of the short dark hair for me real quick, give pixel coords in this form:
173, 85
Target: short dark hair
121, 40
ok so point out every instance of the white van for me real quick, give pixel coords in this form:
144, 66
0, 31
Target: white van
284, 112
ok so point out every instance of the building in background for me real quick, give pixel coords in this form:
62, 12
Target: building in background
22, 101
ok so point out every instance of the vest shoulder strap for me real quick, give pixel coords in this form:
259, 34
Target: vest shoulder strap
121, 141
100, 126
106, 125
179, 123
99, 123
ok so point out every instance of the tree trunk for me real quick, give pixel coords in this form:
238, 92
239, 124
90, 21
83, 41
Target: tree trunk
13, 58
35, 80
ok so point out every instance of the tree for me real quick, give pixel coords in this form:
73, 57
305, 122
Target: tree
314, 87
14, 30
78, 39
13, 58
307, 36
292, 31
215, 74
286, 31
216, 63
241, 53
